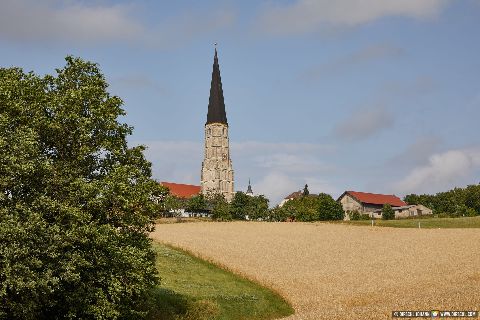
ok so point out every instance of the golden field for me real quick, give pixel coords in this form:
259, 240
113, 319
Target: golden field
330, 271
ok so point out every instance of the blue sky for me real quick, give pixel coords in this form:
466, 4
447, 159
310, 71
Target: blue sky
367, 95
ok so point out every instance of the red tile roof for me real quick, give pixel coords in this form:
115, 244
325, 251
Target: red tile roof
374, 198
182, 190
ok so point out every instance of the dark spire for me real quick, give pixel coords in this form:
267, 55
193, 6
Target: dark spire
216, 104
249, 189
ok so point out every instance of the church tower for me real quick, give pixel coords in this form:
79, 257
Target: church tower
217, 172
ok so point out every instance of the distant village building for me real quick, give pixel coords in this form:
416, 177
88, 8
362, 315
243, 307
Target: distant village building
184, 191
217, 171
295, 195
372, 204
291, 196
411, 211
180, 190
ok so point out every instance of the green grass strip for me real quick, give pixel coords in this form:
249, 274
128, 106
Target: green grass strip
192, 288
464, 222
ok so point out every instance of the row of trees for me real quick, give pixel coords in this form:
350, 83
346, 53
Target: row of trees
456, 202
242, 206
307, 207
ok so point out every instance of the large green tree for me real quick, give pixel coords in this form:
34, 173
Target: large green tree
258, 208
328, 208
219, 207
197, 204
240, 205
76, 203
313, 208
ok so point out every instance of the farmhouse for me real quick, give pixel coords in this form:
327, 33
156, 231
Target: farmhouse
184, 191
411, 211
372, 204
293, 195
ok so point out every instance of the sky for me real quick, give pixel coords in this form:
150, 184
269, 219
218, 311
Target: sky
377, 96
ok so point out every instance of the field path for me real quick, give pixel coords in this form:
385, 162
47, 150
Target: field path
330, 271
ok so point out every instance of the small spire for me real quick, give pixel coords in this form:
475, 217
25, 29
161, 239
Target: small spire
249, 189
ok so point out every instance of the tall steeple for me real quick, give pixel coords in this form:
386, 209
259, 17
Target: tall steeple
216, 103
217, 171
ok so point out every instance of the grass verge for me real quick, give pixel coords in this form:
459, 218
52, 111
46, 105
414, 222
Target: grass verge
464, 222
195, 289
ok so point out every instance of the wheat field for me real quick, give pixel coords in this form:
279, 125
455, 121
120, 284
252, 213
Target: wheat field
329, 271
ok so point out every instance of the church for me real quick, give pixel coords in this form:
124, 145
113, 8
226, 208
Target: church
217, 169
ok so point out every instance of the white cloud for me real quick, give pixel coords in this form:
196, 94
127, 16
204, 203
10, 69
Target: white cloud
291, 158
363, 55
285, 157
420, 85
443, 171
249, 147
174, 161
364, 123
276, 186
74, 21
316, 186
417, 153
138, 82
24, 20
311, 15
292, 163
190, 25
278, 169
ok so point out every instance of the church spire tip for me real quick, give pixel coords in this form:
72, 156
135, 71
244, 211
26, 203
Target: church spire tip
216, 104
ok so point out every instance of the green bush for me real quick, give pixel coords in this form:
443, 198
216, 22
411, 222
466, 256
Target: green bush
354, 215
365, 216
464, 211
387, 212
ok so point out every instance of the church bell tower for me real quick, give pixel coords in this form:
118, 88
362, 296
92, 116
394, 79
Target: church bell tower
217, 172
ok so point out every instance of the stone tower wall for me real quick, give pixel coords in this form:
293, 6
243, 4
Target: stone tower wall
217, 172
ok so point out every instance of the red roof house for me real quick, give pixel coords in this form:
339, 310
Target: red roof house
182, 190
367, 203
375, 198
